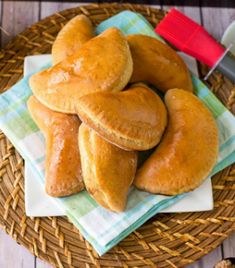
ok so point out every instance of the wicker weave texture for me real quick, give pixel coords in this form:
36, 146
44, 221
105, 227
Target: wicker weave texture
167, 240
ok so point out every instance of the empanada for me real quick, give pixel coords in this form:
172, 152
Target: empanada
63, 168
71, 37
103, 63
158, 64
134, 119
108, 171
188, 150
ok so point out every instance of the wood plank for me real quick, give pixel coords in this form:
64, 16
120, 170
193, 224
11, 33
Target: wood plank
48, 8
42, 264
216, 20
229, 247
156, 6
13, 255
17, 15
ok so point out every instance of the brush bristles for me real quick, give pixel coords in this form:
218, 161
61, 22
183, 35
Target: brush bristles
190, 37
177, 28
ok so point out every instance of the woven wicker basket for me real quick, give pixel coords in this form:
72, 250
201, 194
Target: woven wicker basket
167, 240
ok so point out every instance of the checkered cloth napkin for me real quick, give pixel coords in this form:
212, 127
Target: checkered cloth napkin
82, 210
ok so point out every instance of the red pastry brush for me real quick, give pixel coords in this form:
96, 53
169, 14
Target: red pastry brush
193, 39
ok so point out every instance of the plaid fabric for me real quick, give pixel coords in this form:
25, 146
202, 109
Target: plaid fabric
18, 126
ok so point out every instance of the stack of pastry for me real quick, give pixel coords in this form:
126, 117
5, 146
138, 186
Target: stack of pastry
97, 113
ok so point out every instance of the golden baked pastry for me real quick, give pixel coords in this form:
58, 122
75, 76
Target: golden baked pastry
108, 171
133, 119
63, 167
71, 38
158, 64
103, 63
188, 150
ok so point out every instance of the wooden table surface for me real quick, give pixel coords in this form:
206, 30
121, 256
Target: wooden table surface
15, 16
